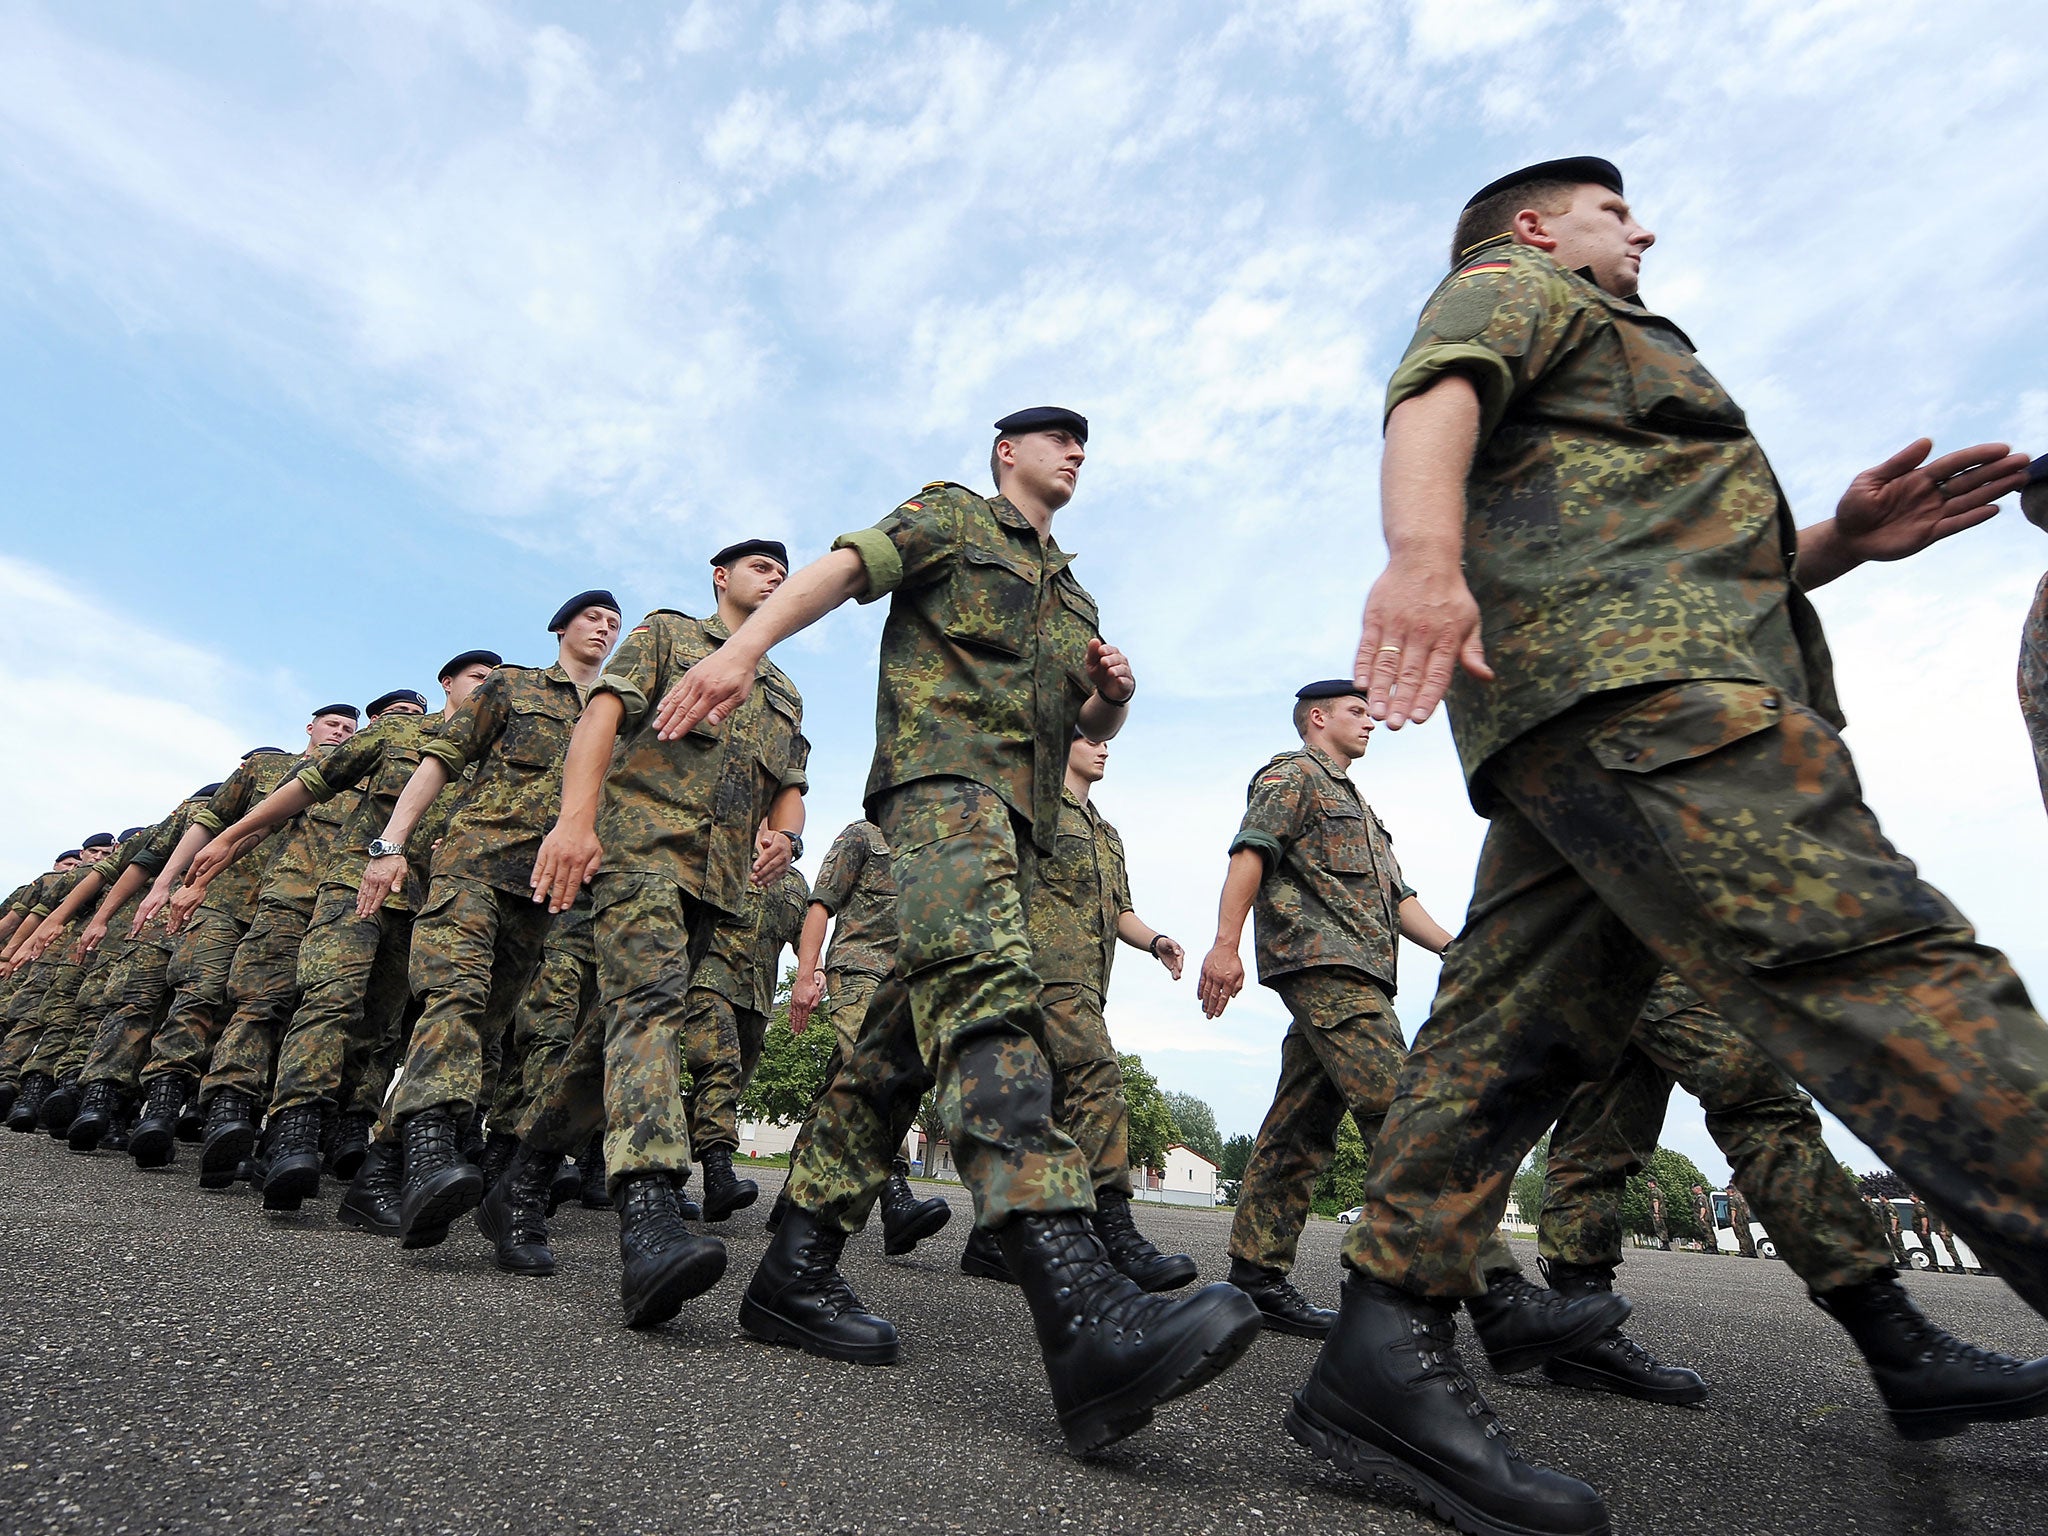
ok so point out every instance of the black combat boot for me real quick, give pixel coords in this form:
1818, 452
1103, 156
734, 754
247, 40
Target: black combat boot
799, 1297
724, 1192
8, 1093
99, 1111
1614, 1362
596, 1193
1113, 1353
499, 1149
116, 1139
567, 1186
373, 1197
777, 1211
1389, 1397
514, 1215
1521, 1324
191, 1122
440, 1183
230, 1136
153, 1143
60, 1106
351, 1141
1282, 1308
1132, 1252
1933, 1383
662, 1263
28, 1104
293, 1153
983, 1257
906, 1220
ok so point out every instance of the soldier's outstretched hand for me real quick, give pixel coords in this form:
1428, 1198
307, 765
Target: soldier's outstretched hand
183, 905
709, 691
1110, 671
568, 857
1171, 955
88, 941
381, 877
1222, 979
1421, 622
805, 993
1903, 505
152, 904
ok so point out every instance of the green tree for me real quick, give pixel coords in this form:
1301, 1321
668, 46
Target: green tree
1528, 1183
1197, 1122
1343, 1182
1152, 1126
792, 1070
1675, 1174
1237, 1152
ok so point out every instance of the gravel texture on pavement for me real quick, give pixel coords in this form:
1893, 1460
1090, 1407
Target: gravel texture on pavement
176, 1361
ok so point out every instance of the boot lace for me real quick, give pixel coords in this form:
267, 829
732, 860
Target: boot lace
1935, 1343
1434, 1345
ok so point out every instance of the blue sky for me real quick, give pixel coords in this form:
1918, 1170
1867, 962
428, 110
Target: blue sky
335, 338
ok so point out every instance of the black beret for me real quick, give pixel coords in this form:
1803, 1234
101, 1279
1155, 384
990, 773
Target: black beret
456, 663
772, 548
131, 832
68, 853
338, 709
1046, 418
384, 701
254, 750
1575, 168
2034, 494
1330, 688
98, 840
206, 791
597, 597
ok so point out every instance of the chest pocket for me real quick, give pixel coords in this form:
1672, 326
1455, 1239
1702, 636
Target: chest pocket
1669, 387
535, 738
1344, 842
993, 601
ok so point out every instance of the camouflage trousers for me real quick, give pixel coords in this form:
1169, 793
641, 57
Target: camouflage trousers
1342, 1051
966, 874
199, 995
562, 990
847, 996
263, 987
474, 949
1088, 1084
59, 1049
1716, 829
867, 1109
721, 1047
105, 975
24, 1016
623, 1070
1759, 1118
352, 1000
142, 996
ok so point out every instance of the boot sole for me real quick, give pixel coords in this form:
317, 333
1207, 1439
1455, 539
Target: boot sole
1170, 1277
663, 1299
292, 1183
766, 1326
1569, 1373
487, 1223
446, 1197
1514, 1361
1096, 1426
741, 1199
914, 1231
153, 1146
1364, 1460
349, 1216
982, 1269
1294, 1330
1940, 1423
86, 1135
223, 1151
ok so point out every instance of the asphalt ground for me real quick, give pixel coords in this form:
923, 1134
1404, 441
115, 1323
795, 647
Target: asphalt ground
176, 1361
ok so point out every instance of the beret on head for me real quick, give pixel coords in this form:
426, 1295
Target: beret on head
596, 597
130, 833
1329, 688
68, 853
384, 701
207, 791
98, 840
1046, 418
1578, 168
774, 549
2034, 495
467, 658
338, 709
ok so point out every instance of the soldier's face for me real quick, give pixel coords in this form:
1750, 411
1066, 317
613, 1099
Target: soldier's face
64, 864
1089, 760
1346, 725
1045, 466
747, 583
1598, 232
464, 683
590, 636
326, 730
402, 707
93, 855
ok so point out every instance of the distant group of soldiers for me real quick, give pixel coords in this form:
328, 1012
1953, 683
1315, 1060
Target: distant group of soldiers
443, 955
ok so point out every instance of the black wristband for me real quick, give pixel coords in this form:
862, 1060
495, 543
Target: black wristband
1152, 949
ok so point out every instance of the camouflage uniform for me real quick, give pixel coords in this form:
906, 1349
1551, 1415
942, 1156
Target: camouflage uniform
264, 982
479, 936
1661, 761
200, 967
1327, 926
561, 990
142, 995
1083, 889
1703, 1215
983, 675
1739, 1219
1758, 1117
44, 1003
732, 996
2034, 681
677, 825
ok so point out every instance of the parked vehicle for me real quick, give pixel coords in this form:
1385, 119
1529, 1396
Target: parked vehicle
1348, 1217
1946, 1255
1724, 1230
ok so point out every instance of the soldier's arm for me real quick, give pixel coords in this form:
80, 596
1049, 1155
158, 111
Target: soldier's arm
1903, 505
1418, 927
808, 990
211, 855
570, 854
125, 885
772, 851
1222, 970
1139, 934
69, 907
8, 923
382, 876
181, 858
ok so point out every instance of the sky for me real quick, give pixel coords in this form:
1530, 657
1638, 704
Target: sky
338, 337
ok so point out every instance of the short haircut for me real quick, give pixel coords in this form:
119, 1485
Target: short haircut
995, 463
1301, 709
1495, 215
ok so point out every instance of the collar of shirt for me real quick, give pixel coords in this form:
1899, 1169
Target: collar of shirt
557, 673
1056, 559
1331, 766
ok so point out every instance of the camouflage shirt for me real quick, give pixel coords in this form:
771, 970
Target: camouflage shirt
1332, 892
380, 760
1622, 526
744, 962
23, 897
857, 888
1082, 890
1669, 996
34, 899
983, 653
687, 810
233, 891
514, 731
306, 847
2034, 681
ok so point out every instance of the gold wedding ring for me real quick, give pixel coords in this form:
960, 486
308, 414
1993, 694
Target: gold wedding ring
1394, 648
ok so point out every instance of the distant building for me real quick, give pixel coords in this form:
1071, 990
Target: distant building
1187, 1179
763, 1138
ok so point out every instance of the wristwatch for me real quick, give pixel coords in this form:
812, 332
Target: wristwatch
796, 843
380, 849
